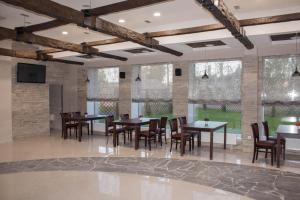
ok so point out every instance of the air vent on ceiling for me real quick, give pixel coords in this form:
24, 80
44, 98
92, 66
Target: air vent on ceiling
139, 50
206, 44
87, 56
281, 37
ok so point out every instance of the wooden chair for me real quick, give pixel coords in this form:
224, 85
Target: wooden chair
67, 123
109, 128
176, 136
259, 144
268, 137
129, 129
183, 121
162, 129
150, 134
83, 124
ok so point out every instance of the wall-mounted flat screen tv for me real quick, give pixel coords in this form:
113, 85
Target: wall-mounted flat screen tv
30, 73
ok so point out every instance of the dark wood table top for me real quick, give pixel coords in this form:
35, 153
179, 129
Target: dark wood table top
89, 117
135, 121
205, 125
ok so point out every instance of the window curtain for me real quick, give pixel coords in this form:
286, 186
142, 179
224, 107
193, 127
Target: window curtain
279, 87
155, 85
222, 87
104, 84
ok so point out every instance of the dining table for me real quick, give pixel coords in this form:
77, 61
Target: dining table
137, 123
205, 126
285, 131
84, 118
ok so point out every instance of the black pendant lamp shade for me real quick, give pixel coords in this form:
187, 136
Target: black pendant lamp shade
296, 72
138, 79
205, 76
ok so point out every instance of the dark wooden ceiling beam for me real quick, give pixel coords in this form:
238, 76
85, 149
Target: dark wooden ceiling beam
198, 29
121, 6
221, 12
43, 26
70, 15
18, 35
34, 56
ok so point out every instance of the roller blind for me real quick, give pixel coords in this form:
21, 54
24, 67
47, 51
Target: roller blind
223, 85
104, 84
155, 85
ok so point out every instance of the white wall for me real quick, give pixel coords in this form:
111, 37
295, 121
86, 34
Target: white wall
6, 101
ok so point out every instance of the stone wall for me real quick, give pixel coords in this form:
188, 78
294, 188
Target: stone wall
6, 101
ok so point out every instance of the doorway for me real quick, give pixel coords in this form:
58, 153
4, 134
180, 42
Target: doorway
55, 106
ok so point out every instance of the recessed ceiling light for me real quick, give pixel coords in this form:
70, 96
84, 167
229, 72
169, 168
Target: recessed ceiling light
65, 33
156, 14
122, 21
147, 21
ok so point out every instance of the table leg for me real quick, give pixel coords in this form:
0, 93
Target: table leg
211, 145
92, 127
199, 139
115, 136
278, 148
80, 131
225, 135
137, 137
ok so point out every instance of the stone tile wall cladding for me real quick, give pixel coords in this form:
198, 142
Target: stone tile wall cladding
30, 102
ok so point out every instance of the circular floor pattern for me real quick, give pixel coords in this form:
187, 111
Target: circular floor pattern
78, 185
253, 182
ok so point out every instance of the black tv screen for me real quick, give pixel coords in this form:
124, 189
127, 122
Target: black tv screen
30, 73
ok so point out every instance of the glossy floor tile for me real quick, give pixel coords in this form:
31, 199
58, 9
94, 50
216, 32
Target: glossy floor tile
104, 186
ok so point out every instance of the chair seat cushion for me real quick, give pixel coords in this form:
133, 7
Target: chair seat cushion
147, 133
178, 135
266, 143
282, 140
118, 130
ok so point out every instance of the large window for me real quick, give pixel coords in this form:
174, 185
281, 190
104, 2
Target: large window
152, 95
217, 98
103, 91
281, 92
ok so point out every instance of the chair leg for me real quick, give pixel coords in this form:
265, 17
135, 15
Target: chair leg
254, 151
272, 155
88, 129
171, 145
145, 142
124, 139
266, 154
160, 138
190, 145
176, 144
149, 141
165, 138
283, 153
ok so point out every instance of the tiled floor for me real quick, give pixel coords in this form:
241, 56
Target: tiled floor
45, 147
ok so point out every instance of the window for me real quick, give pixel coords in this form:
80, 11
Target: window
219, 97
103, 91
281, 92
152, 96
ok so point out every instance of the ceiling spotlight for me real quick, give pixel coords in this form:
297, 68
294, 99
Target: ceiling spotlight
156, 14
122, 21
65, 33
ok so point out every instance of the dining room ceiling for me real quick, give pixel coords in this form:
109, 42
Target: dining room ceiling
174, 14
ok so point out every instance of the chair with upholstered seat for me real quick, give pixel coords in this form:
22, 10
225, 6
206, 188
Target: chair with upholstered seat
162, 129
150, 134
268, 137
109, 129
176, 135
261, 145
83, 124
67, 123
129, 129
182, 122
